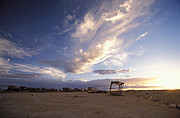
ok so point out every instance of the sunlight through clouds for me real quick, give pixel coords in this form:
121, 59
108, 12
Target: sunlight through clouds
83, 42
84, 60
94, 39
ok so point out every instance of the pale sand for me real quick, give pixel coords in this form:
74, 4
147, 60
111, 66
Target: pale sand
132, 104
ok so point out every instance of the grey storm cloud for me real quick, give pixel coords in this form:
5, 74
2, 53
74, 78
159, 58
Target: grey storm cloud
103, 72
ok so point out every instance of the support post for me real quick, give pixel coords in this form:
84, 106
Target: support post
119, 90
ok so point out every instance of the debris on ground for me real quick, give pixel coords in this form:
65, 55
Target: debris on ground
156, 99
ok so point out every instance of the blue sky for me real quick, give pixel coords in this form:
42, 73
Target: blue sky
81, 43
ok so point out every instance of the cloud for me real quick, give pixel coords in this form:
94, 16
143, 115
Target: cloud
83, 79
118, 16
141, 36
84, 28
19, 75
117, 59
67, 21
8, 48
70, 21
7, 67
130, 83
98, 35
104, 72
50, 71
83, 60
127, 5
4, 65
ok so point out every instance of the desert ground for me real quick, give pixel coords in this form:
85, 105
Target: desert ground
132, 104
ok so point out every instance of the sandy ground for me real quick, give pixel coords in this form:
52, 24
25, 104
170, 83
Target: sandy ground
132, 104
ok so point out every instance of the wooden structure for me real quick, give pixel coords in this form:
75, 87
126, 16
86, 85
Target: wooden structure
119, 90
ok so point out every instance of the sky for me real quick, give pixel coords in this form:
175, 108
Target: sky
89, 43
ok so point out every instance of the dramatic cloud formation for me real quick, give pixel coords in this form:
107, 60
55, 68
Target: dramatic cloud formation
82, 61
76, 42
95, 39
103, 72
141, 36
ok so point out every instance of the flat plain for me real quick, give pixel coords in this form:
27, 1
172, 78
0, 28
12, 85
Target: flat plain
132, 104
